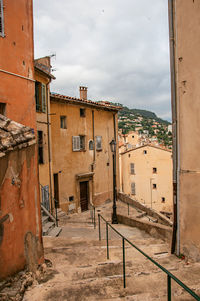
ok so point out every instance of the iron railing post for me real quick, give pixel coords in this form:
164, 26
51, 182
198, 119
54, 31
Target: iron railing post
124, 264
56, 217
128, 209
99, 222
107, 240
94, 219
169, 288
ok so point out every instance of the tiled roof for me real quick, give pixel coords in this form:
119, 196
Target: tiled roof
101, 104
44, 69
14, 135
146, 145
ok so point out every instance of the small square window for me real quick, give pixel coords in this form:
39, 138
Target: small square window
154, 186
82, 112
63, 122
129, 155
154, 170
163, 200
71, 198
145, 152
2, 108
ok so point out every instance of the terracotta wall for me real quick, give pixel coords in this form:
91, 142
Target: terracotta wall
187, 64
20, 239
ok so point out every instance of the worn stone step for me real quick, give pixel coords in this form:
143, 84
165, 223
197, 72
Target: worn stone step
47, 228
45, 219
55, 231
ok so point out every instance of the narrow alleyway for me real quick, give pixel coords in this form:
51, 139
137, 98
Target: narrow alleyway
81, 271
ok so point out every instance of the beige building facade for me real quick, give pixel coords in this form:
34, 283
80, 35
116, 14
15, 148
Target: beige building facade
43, 79
185, 74
146, 175
82, 159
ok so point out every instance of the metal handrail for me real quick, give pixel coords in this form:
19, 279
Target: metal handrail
93, 216
169, 274
55, 201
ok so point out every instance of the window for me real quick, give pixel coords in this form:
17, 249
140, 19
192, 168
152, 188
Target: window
71, 198
40, 97
98, 143
132, 168
40, 147
154, 170
63, 122
133, 136
133, 188
2, 108
78, 143
91, 145
1, 19
154, 186
82, 112
145, 152
163, 200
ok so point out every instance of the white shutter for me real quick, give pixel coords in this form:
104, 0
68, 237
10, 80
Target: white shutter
98, 143
76, 143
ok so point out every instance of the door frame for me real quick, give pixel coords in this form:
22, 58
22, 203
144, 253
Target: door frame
87, 177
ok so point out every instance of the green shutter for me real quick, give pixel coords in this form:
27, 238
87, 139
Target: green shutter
43, 98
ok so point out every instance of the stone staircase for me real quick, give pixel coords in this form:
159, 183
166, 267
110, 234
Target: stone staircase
81, 271
49, 227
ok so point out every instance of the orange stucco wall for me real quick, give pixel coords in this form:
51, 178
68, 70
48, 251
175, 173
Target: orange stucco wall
17, 91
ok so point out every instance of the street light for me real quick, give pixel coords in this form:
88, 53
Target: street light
113, 150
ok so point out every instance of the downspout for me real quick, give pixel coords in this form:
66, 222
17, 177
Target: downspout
49, 147
176, 234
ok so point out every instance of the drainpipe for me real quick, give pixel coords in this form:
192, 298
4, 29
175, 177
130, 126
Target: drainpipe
49, 147
175, 152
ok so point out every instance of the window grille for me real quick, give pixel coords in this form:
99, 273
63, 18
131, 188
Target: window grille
132, 168
1, 19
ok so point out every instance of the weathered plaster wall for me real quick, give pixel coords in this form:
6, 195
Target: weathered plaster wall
68, 163
187, 47
17, 48
20, 241
144, 178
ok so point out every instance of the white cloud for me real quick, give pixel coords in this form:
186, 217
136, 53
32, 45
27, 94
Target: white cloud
118, 48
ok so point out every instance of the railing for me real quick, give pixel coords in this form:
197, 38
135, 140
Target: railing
55, 202
124, 239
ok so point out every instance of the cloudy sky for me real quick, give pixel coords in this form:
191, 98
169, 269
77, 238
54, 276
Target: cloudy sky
117, 48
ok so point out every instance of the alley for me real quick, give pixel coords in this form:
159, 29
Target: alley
80, 270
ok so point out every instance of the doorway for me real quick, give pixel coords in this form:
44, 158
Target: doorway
56, 190
84, 192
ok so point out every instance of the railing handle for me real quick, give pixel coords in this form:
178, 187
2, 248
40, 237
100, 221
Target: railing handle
94, 219
99, 222
124, 263
169, 288
107, 240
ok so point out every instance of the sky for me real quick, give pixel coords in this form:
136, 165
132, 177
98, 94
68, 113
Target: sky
119, 49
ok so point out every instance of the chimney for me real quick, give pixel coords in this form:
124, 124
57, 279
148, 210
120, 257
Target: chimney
83, 93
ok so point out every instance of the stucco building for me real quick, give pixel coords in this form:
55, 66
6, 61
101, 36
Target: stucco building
43, 78
19, 175
185, 71
82, 160
146, 175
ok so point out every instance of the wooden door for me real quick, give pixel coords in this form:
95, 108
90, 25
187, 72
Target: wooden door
56, 190
84, 195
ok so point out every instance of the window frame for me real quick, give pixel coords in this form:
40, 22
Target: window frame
155, 170
133, 190
63, 119
2, 29
40, 97
98, 148
132, 168
40, 147
154, 186
91, 145
82, 112
76, 143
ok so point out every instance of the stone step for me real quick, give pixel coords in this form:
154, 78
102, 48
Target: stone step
45, 219
55, 231
47, 228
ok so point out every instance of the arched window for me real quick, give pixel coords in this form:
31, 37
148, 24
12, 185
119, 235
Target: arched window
91, 145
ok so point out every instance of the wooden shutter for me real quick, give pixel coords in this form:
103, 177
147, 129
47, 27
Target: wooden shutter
76, 143
133, 188
43, 98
